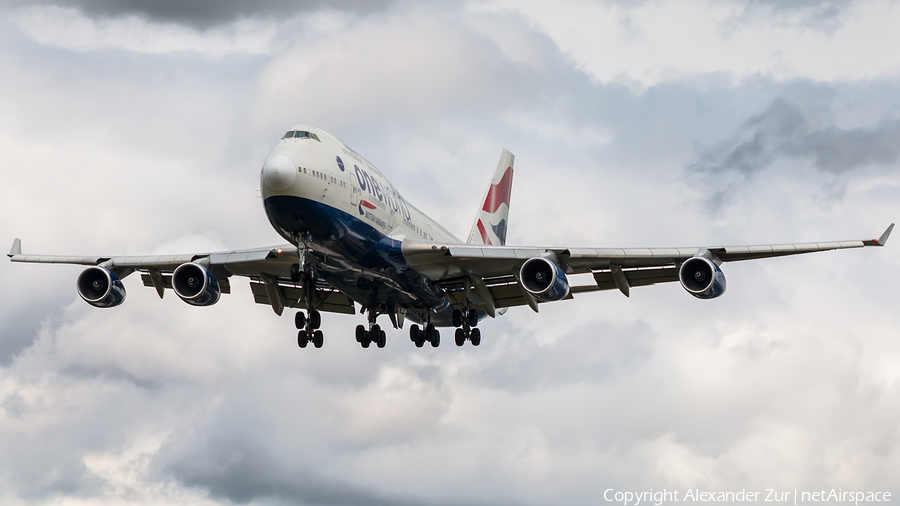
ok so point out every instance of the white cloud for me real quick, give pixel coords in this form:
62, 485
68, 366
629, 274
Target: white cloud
652, 42
788, 379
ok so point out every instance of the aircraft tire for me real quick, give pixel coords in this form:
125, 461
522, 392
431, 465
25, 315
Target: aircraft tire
318, 339
360, 334
420, 343
315, 319
436, 339
475, 337
366, 342
460, 337
414, 333
457, 318
382, 339
472, 316
299, 320
302, 339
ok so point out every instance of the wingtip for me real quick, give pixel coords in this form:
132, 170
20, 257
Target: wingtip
887, 233
881, 241
16, 248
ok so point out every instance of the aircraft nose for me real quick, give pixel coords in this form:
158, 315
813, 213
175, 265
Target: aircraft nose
278, 173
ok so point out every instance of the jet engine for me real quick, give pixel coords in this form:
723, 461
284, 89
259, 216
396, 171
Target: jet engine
195, 284
702, 278
100, 287
544, 279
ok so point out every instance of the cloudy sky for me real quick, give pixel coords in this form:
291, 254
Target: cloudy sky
139, 127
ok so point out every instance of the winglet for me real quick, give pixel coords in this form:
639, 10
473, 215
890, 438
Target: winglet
16, 248
881, 241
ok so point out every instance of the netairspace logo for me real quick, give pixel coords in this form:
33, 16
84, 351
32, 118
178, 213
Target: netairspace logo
769, 495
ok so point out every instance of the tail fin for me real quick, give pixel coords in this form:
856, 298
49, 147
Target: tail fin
490, 223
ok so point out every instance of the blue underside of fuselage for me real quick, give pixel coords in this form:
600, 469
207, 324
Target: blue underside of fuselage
357, 259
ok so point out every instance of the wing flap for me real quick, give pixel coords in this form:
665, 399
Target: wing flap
636, 277
329, 301
224, 283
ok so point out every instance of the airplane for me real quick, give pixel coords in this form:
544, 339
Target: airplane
353, 239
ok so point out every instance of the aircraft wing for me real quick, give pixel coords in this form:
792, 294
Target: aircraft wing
269, 270
488, 275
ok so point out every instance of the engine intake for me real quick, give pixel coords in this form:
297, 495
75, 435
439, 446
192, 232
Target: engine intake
100, 287
702, 278
194, 284
544, 280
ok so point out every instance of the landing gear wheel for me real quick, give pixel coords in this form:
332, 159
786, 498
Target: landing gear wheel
457, 318
414, 333
295, 272
302, 339
472, 316
366, 341
315, 319
460, 337
318, 339
299, 319
381, 340
475, 337
360, 334
436, 339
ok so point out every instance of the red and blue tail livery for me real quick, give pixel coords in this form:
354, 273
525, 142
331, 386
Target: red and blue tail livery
490, 223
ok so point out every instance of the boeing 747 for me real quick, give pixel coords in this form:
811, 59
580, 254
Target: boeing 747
353, 240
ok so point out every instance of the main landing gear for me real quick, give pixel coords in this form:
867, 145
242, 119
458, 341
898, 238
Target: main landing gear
373, 335
431, 335
308, 328
466, 327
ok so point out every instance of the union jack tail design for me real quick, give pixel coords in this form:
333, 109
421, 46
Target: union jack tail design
492, 218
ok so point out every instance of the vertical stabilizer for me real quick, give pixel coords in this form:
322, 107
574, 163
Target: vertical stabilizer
492, 218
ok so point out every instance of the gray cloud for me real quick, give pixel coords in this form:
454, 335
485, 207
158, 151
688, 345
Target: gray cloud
596, 354
824, 15
658, 389
239, 470
798, 127
207, 13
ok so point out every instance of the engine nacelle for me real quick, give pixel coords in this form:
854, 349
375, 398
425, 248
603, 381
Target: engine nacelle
702, 278
195, 285
544, 280
100, 287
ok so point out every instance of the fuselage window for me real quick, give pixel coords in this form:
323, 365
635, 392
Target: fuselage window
301, 134
289, 134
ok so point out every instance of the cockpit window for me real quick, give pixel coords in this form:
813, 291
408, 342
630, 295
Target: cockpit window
301, 134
